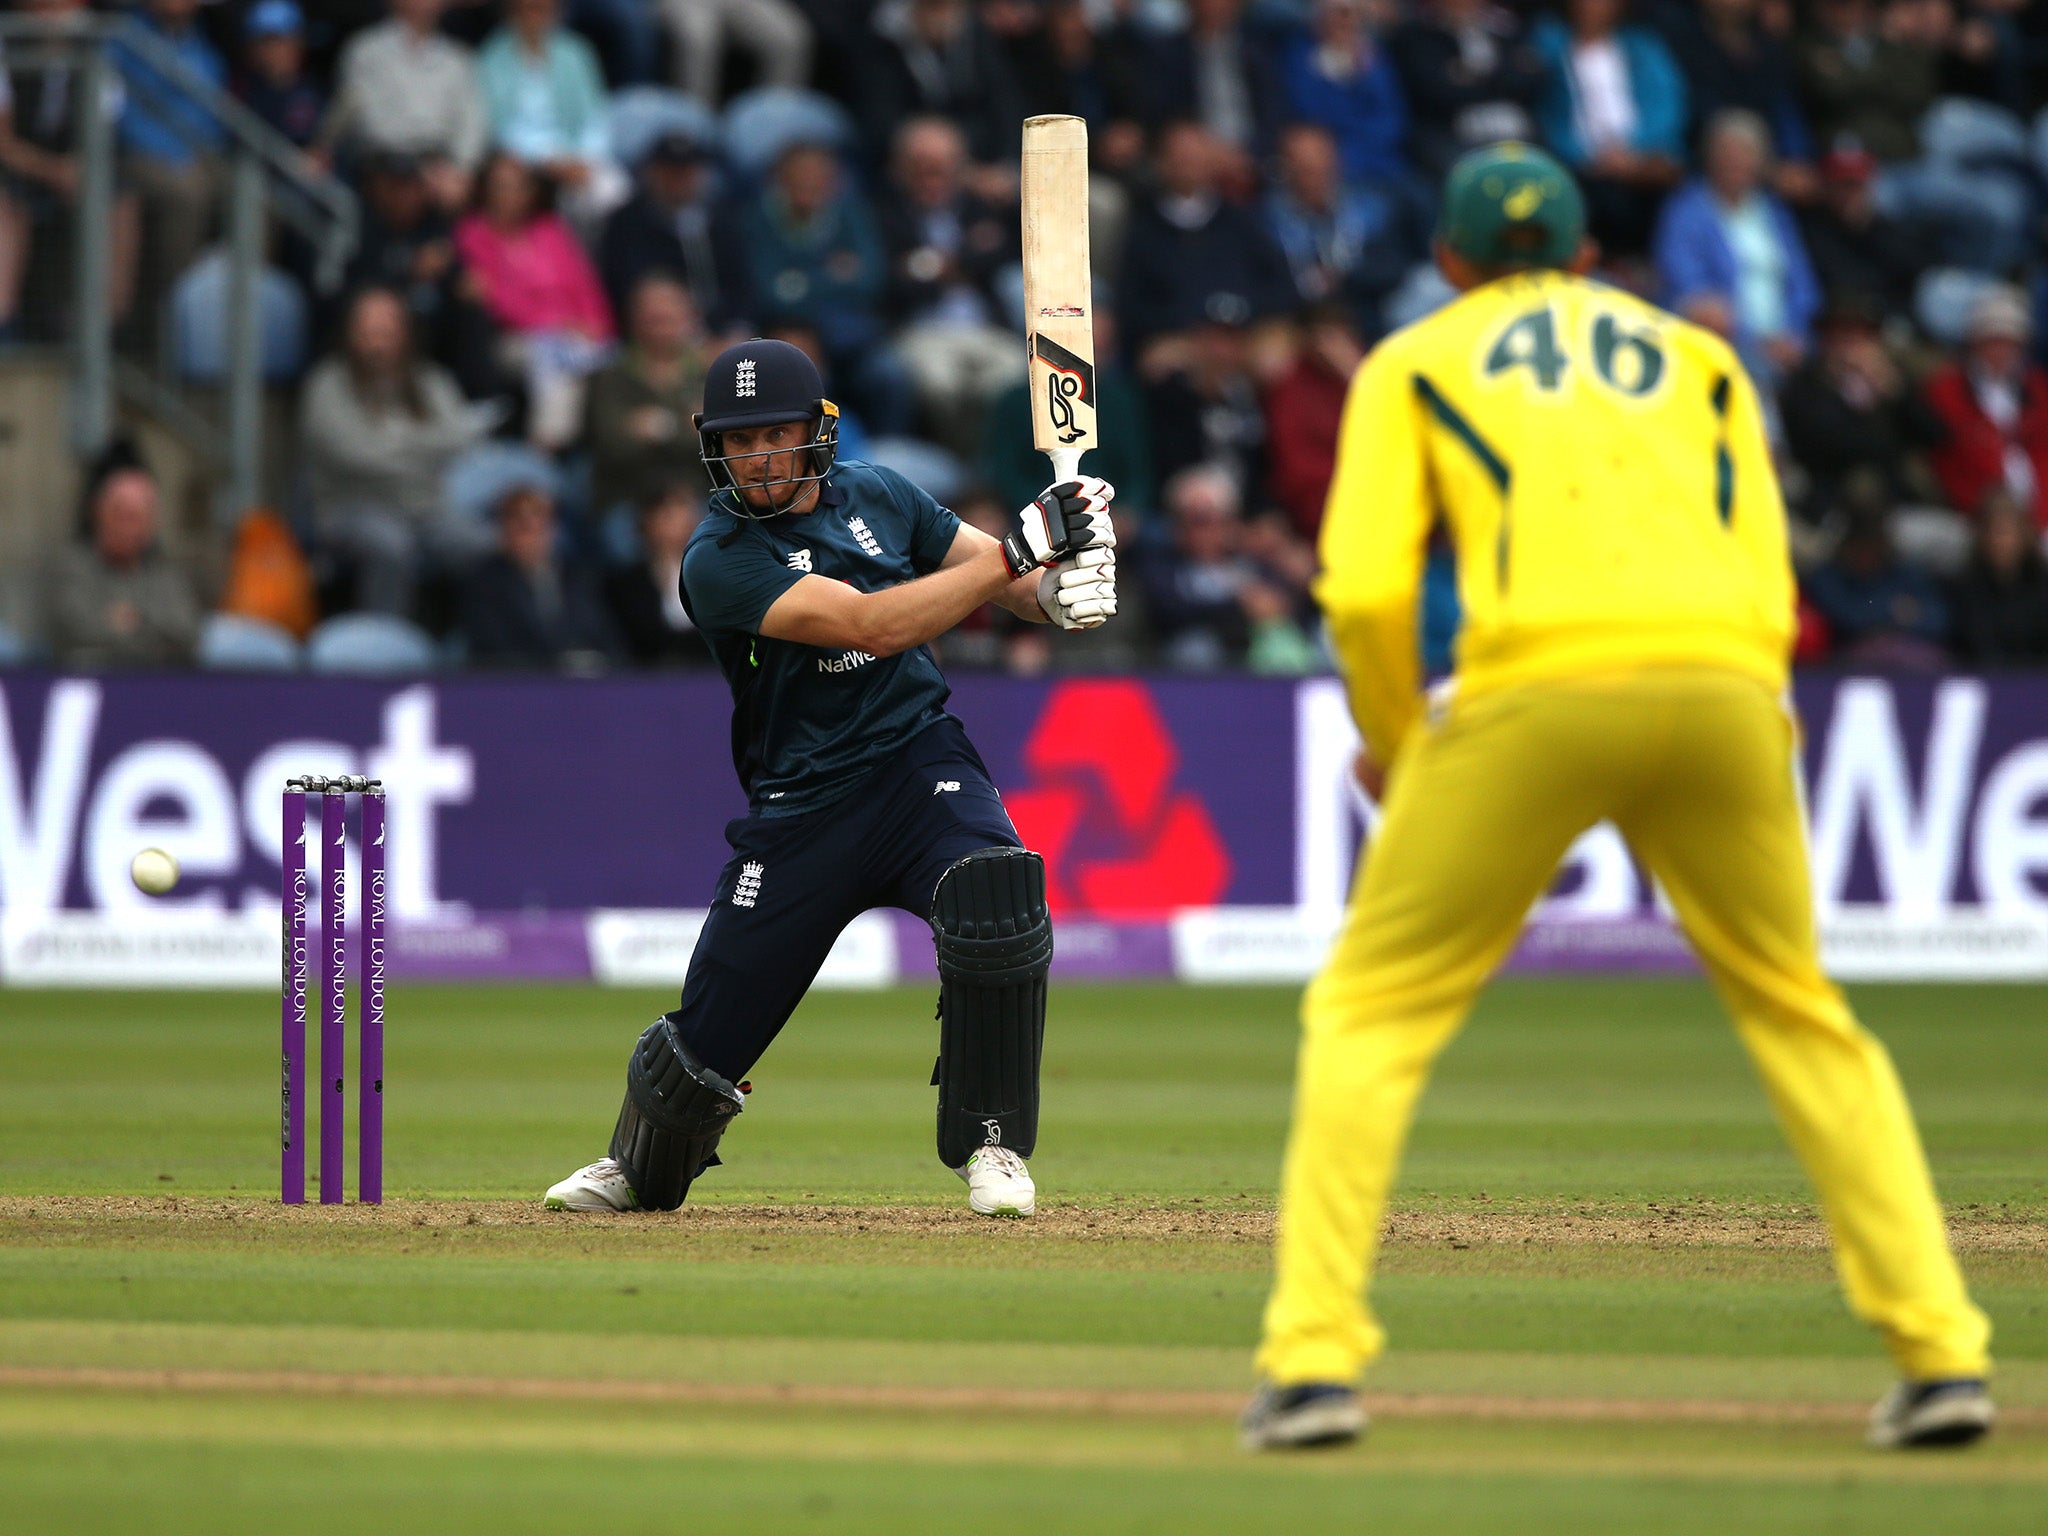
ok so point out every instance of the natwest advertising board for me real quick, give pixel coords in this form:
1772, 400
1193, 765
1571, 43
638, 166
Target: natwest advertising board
1199, 827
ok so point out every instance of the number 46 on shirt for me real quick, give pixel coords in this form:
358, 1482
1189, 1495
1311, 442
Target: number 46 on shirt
1628, 359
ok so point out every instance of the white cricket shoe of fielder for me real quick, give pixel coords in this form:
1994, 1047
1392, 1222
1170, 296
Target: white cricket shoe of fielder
998, 1183
601, 1186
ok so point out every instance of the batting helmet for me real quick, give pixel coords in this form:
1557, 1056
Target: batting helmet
761, 383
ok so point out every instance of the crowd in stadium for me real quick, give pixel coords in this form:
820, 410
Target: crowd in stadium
569, 205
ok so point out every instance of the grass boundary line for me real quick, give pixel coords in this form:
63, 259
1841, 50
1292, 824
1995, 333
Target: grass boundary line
1038, 1400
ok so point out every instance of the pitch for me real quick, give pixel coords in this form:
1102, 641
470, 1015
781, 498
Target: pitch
1609, 1302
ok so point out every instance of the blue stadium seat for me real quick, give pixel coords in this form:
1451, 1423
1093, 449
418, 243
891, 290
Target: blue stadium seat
762, 123
643, 113
199, 323
1943, 299
1976, 134
370, 643
232, 642
923, 464
476, 480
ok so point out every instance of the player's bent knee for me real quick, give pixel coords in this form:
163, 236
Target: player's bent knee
993, 932
676, 1110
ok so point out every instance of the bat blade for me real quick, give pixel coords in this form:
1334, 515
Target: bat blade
1059, 299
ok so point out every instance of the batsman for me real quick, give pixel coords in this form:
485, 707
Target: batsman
1602, 471
817, 584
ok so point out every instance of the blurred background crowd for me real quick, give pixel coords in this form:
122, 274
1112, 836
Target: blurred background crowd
569, 205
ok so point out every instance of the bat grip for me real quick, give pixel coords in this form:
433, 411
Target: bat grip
1066, 464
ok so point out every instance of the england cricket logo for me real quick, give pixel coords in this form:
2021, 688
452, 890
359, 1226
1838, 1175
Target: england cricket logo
747, 889
865, 537
743, 380
1070, 378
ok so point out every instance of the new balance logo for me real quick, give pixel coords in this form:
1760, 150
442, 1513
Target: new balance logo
743, 380
865, 537
800, 560
946, 787
747, 889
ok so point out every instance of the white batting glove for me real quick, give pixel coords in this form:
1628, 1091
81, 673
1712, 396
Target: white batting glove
1072, 515
1080, 593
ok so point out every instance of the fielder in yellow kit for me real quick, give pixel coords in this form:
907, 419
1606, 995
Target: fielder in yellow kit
1602, 471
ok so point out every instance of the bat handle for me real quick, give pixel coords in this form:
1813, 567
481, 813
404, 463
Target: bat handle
1066, 464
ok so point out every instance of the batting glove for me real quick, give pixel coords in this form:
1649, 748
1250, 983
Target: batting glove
1080, 593
1067, 517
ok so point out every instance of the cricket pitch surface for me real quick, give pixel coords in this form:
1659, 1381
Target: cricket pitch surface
1607, 1290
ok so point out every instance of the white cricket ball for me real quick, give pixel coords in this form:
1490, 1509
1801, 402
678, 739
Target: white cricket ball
153, 871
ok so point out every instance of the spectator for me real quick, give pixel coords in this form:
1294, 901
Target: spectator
171, 142
1865, 80
1732, 61
1204, 408
1342, 244
1849, 407
1190, 254
2001, 599
378, 428
1097, 74
528, 271
1993, 408
1014, 469
1856, 248
1469, 77
1219, 73
672, 224
116, 599
523, 605
1879, 611
933, 58
274, 83
40, 171
637, 416
947, 246
545, 98
645, 595
1304, 408
774, 33
1210, 604
1871, 75
1614, 109
1340, 77
403, 86
407, 245
1729, 255
814, 257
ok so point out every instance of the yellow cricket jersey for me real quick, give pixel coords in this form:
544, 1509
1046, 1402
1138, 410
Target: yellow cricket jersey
1602, 471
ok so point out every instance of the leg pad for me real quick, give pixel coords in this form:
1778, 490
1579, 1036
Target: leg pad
676, 1110
994, 937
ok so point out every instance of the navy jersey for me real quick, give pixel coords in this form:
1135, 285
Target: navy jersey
809, 723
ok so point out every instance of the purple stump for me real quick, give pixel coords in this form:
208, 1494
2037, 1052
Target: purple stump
370, 1021
333, 985
292, 1087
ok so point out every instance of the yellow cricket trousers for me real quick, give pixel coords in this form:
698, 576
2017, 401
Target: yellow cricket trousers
1696, 769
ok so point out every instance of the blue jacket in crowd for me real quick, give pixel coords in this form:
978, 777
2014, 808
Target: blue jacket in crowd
1654, 81
160, 120
1694, 257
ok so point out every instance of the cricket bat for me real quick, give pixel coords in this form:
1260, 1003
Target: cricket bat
1059, 297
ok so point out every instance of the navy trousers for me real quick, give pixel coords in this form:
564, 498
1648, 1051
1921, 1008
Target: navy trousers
794, 882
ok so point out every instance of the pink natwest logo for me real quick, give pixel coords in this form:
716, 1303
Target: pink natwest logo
1119, 839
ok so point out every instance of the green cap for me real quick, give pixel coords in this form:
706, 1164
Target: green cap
1512, 205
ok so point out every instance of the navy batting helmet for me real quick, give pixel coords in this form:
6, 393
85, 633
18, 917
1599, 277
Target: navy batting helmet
761, 383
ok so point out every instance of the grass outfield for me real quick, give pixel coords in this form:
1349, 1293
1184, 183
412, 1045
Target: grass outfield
1610, 1305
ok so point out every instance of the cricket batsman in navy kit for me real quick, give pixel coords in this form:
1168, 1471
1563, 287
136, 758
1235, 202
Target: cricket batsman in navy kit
817, 585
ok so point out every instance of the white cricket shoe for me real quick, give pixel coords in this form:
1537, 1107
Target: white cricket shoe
998, 1183
600, 1187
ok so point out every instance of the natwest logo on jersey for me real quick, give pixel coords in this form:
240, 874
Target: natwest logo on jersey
1121, 837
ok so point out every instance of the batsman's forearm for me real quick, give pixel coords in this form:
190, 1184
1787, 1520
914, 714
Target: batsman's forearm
902, 617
